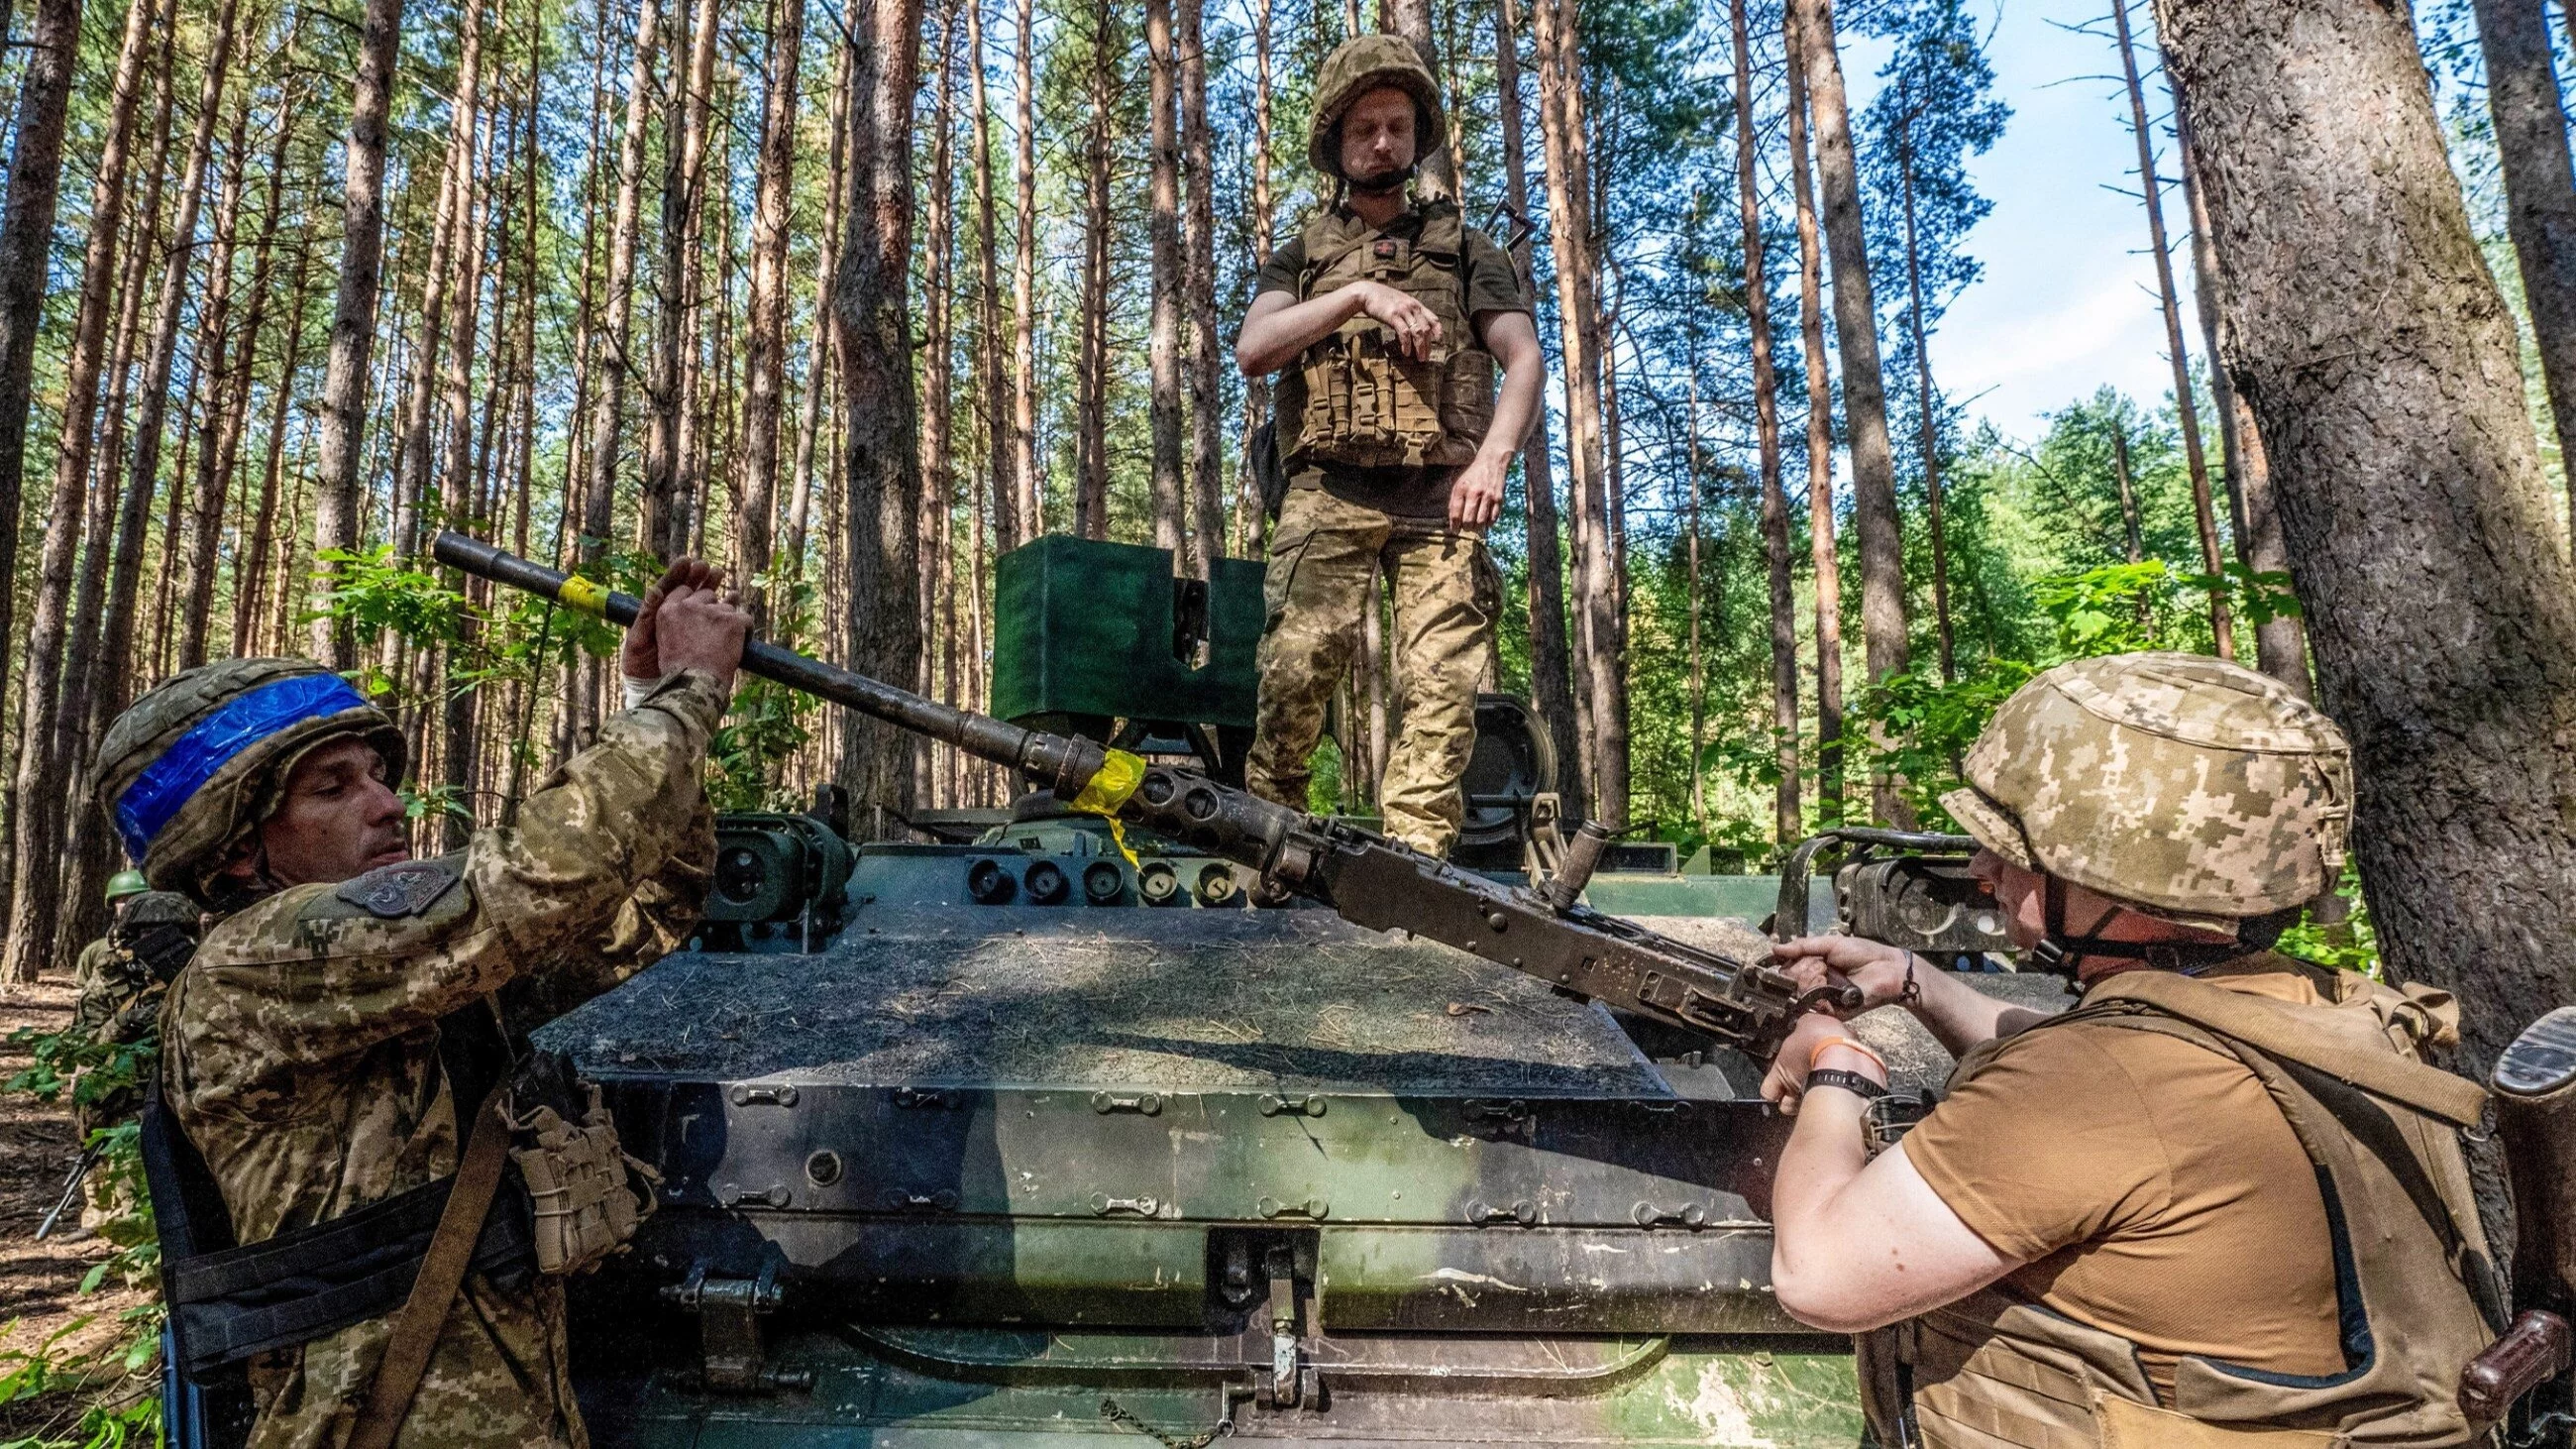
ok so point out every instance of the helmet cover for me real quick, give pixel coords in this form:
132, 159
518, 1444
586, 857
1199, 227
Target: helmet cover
1357, 66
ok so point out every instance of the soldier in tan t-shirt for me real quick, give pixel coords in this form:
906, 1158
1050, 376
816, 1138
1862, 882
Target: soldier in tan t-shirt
2193, 1209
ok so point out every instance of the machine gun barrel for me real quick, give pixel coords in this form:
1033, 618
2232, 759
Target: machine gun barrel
1369, 880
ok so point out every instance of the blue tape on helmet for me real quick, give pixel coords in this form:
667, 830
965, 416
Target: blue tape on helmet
159, 793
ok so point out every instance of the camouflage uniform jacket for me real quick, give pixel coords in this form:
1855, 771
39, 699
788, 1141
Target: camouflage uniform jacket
302, 1054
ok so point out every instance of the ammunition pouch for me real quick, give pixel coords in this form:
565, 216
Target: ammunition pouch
586, 1196
575, 1201
1354, 399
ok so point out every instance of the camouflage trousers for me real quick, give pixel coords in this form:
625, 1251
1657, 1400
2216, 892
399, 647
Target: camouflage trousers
1325, 556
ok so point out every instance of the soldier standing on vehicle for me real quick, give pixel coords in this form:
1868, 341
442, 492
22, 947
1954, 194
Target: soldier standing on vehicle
2223, 1193
336, 1041
1385, 317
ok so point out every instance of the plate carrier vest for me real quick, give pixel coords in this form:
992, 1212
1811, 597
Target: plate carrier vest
2416, 1287
1352, 400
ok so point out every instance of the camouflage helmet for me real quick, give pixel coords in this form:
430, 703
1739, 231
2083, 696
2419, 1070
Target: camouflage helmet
2198, 790
126, 883
190, 767
1357, 66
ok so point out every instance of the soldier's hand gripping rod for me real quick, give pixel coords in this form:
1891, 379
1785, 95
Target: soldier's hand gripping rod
1370, 881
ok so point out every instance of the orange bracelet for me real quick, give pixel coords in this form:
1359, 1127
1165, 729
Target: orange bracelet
1818, 1050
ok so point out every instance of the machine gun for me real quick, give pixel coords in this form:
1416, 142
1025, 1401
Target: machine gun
1370, 881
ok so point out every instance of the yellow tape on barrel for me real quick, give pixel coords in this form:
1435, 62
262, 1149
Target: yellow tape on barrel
584, 596
1108, 788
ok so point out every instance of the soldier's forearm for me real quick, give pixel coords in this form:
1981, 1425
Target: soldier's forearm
1271, 340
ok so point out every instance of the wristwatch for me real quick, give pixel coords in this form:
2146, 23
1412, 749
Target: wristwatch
1852, 1082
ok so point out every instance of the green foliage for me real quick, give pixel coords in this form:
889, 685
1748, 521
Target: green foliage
107, 1392
2351, 944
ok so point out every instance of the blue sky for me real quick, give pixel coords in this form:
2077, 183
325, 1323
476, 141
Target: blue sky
2067, 302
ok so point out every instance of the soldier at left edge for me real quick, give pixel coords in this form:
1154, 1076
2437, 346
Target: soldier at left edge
346, 1051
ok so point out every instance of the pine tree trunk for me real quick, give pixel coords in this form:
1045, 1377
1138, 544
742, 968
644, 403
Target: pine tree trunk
250, 594
89, 849
26, 254
1788, 821
1435, 175
2280, 642
1207, 404
1882, 546
765, 365
1602, 666
2442, 614
819, 371
1091, 386
1551, 690
336, 515
219, 441
1249, 516
883, 492
1163, 348
2186, 405
1823, 525
617, 330
459, 493
661, 524
43, 770
109, 686
938, 400
1026, 510
1927, 422
992, 402
2540, 192
417, 448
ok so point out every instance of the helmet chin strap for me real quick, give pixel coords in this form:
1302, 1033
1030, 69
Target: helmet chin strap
2061, 953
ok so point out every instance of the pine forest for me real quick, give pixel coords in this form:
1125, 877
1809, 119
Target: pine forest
853, 296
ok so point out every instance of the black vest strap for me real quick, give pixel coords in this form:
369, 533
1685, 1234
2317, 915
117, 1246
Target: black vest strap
230, 1303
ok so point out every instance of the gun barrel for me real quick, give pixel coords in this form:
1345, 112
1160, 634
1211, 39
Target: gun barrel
1368, 880
1056, 761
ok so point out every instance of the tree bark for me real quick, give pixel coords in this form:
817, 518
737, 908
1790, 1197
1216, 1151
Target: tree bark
819, 371
42, 771
1434, 174
1822, 521
418, 448
1603, 666
2280, 642
1551, 674
88, 847
2540, 193
661, 506
1091, 385
1207, 403
884, 485
353, 320
110, 685
616, 345
938, 396
1788, 821
2186, 404
992, 400
1028, 517
2411, 492
219, 437
1250, 522
250, 594
765, 365
26, 252
1163, 348
1927, 423
1882, 546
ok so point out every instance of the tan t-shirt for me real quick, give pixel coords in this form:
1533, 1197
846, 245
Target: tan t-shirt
2152, 1186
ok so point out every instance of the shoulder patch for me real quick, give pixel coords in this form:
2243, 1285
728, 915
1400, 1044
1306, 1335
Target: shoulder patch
404, 889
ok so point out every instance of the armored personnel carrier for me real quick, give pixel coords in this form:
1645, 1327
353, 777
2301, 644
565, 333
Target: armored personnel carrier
1045, 1135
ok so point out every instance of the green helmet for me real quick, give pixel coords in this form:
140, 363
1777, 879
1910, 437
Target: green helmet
194, 764
2196, 790
126, 883
1357, 66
